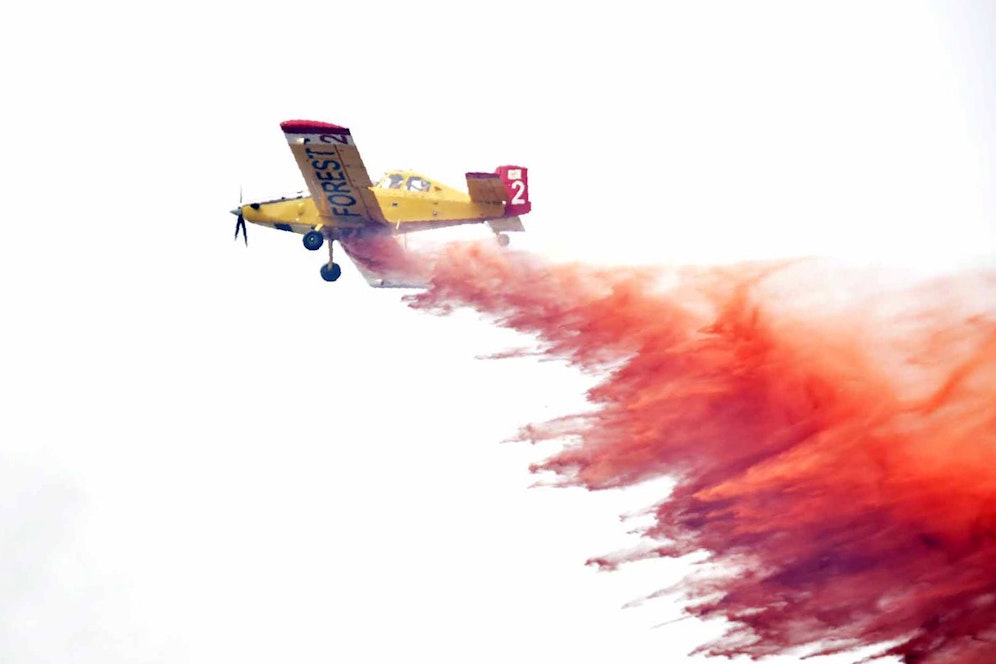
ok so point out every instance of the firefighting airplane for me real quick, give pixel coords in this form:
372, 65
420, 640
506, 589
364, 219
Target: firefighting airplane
345, 206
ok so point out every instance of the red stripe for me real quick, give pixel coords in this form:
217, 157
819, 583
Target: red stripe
311, 127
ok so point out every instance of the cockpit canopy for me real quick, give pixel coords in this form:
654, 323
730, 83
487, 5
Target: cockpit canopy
405, 181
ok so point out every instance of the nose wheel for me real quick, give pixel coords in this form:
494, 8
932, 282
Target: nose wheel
502, 239
331, 270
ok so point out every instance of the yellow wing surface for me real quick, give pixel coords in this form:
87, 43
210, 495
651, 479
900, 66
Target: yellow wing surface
335, 174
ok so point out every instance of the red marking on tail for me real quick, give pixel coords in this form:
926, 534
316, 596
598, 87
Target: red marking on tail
838, 452
516, 181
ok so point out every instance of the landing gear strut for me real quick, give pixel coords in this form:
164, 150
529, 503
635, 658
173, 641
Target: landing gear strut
331, 270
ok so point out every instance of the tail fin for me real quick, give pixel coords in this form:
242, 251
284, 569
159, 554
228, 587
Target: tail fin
516, 181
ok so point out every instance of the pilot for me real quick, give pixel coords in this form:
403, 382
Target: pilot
417, 184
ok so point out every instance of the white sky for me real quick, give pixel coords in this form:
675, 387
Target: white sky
209, 454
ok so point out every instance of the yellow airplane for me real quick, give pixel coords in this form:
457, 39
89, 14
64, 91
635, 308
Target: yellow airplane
345, 206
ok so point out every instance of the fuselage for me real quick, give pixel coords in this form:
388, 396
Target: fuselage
409, 201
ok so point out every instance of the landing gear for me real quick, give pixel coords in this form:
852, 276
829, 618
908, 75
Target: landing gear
331, 270
502, 239
313, 240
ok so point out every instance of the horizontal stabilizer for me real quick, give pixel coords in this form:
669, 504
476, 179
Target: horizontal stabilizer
486, 188
506, 225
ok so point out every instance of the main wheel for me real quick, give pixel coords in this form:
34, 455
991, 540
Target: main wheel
313, 240
331, 273
502, 240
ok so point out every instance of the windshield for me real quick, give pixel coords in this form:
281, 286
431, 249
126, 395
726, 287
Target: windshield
392, 181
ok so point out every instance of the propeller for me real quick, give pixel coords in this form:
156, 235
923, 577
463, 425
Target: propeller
241, 221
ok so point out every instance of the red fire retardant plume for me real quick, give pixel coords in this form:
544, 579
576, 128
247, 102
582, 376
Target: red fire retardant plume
832, 434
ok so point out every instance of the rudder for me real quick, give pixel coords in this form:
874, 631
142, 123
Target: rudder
516, 181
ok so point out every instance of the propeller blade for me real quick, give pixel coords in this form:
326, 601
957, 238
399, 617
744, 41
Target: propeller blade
241, 223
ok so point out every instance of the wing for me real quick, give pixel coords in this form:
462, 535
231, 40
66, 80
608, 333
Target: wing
333, 170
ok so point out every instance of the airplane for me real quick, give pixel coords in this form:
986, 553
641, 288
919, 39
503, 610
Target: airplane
343, 204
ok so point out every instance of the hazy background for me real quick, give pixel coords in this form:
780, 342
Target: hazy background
210, 454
